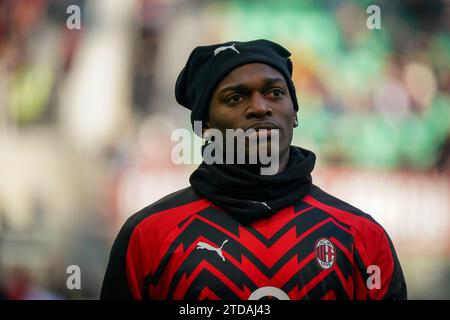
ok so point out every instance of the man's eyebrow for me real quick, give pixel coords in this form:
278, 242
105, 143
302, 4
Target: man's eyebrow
234, 87
243, 87
270, 81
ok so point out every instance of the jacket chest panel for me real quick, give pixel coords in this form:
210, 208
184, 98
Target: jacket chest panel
208, 260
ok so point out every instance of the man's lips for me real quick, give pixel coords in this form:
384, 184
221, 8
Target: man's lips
263, 125
262, 129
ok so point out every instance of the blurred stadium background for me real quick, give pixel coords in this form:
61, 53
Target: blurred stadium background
86, 117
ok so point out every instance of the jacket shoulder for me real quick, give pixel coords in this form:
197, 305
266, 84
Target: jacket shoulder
176, 199
346, 213
140, 227
373, 246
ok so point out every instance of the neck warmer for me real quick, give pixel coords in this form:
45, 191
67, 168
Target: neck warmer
248, 196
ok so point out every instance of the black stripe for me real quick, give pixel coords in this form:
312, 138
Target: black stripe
331, 281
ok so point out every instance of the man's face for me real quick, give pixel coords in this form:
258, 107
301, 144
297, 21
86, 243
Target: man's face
254, 96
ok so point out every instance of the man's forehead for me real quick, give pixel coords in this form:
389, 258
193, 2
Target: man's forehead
250, 74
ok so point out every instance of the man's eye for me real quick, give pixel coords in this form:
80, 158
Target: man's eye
234, 99
277, 92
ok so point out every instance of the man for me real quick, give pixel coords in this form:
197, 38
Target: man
236, 233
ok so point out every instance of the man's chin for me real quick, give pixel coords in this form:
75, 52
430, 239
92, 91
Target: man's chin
260, 152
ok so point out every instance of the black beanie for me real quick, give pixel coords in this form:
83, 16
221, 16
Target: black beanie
208, 65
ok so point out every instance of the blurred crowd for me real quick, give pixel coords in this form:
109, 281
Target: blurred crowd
86, 116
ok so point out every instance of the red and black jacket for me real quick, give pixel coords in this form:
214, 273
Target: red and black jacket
184, 247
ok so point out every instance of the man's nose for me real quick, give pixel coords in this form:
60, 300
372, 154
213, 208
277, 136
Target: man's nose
258, 106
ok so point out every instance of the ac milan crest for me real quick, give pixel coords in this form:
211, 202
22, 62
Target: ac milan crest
325, 253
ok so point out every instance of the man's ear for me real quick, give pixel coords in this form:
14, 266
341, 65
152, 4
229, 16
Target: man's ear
295, 121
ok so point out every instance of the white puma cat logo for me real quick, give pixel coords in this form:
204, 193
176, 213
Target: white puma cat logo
220, 49
207, 246
261, 203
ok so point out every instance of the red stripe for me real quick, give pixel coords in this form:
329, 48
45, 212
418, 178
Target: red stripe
337, 243
168, 241
269, 227
329, 296
207, 294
